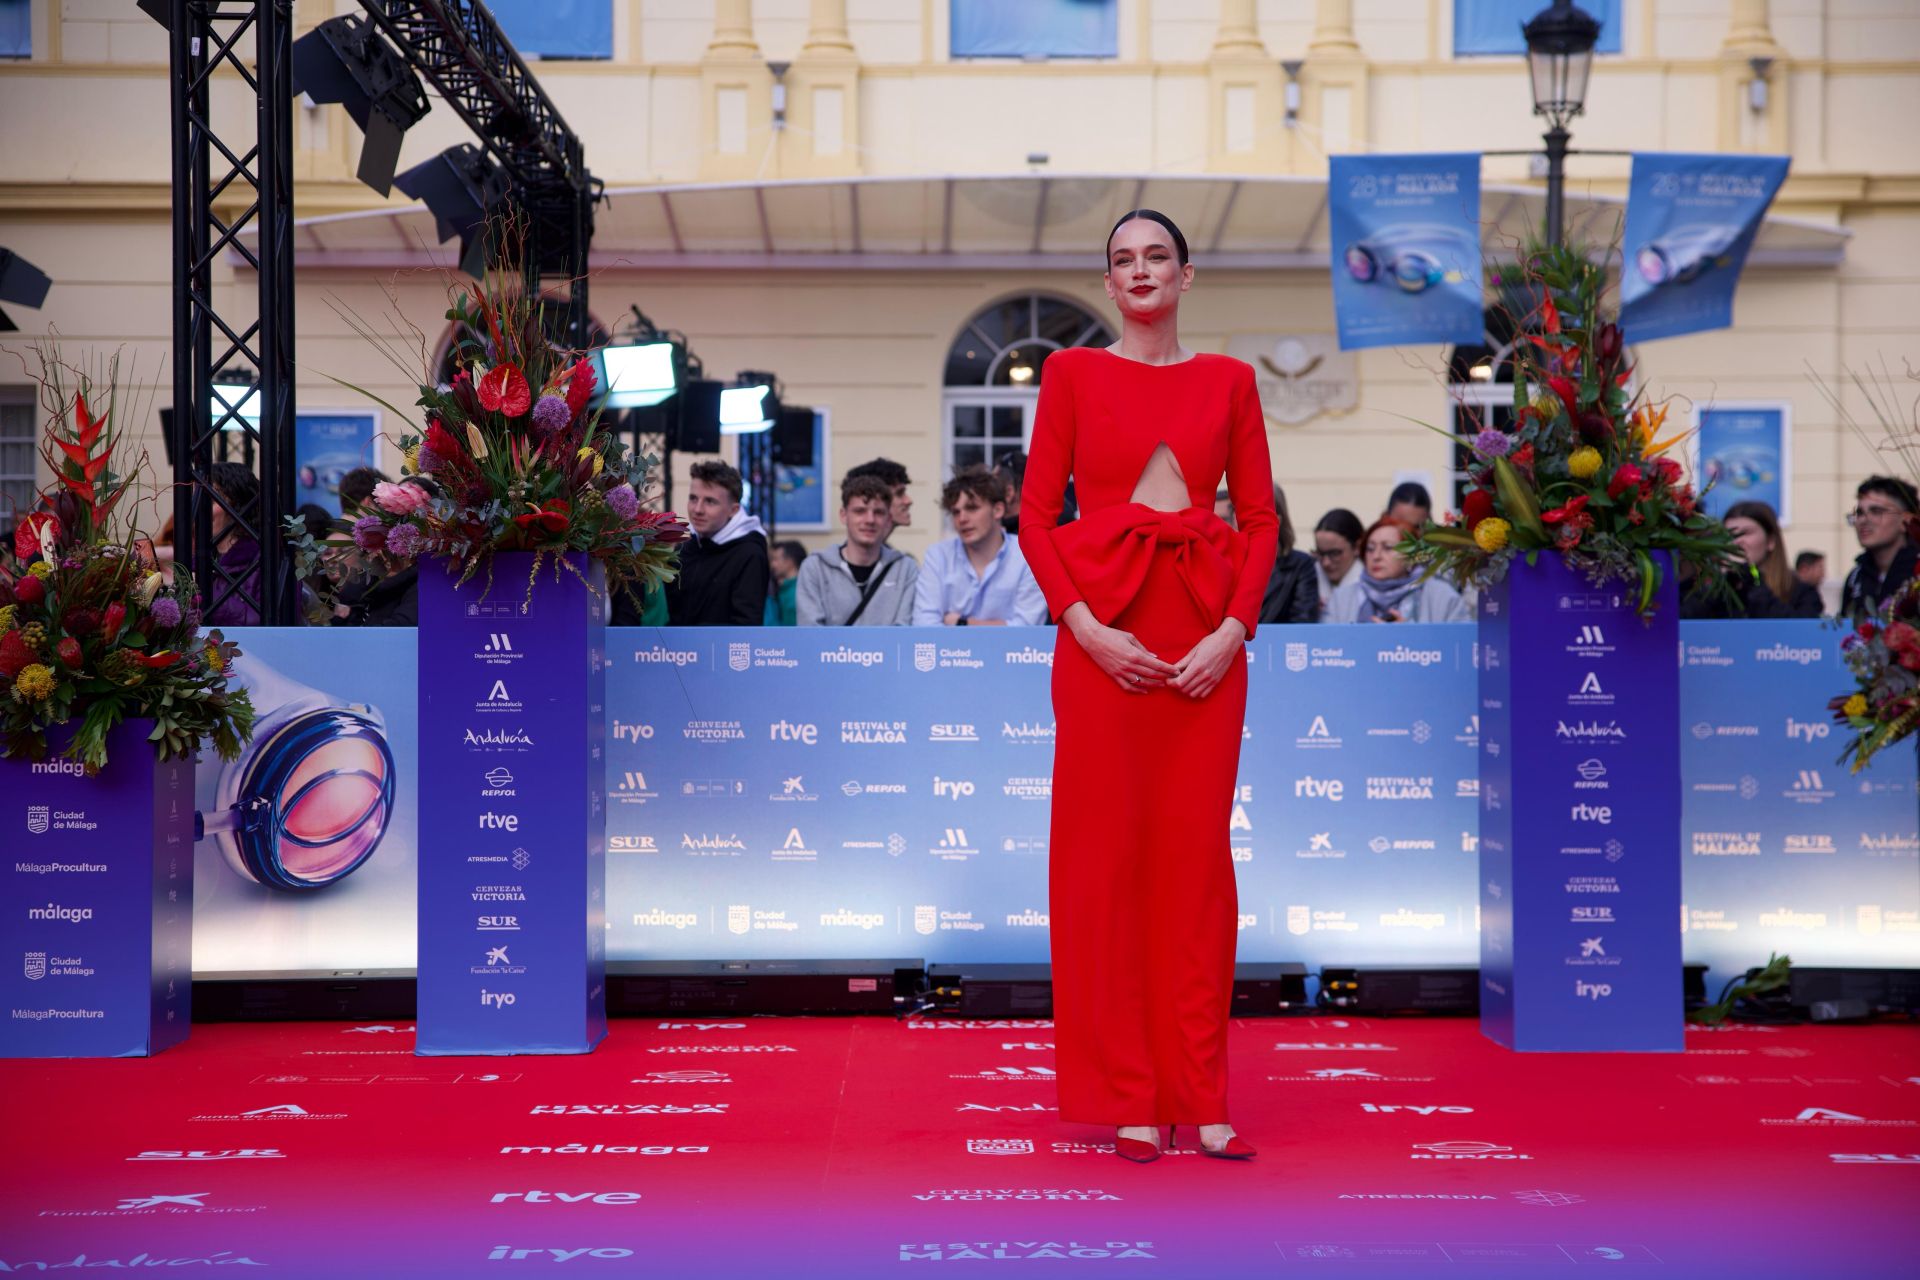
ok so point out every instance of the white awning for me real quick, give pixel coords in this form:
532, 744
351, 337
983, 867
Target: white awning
1024, 221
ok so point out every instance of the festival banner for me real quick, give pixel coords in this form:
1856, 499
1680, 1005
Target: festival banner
1580, 814
96, 902
327, 445
1406, 249
1743, 452
1690, 221
512, 874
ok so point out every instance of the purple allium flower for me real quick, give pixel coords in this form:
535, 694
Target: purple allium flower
166, 611
369, 534
428, 460
1493, 443
550, 414
623, 502
403, 540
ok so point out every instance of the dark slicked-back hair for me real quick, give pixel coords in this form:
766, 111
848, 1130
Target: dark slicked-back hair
1151, 215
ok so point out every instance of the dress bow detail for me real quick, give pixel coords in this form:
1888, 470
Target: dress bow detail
1110, 552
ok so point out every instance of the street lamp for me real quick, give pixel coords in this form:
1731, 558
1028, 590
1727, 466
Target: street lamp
1560, 40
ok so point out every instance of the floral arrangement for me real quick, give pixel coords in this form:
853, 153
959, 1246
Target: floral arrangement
1884, 655
1584, 470
512, 458
1883, 651
88, 630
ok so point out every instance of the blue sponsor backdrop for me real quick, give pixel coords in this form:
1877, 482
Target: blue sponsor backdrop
512, 864
753, 791
1690, 221
1406, 249
1580, 815
96, 902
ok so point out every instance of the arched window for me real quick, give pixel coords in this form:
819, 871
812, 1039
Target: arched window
994, 370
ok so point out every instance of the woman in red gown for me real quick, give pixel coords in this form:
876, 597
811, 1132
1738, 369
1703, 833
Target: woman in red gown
1156, 597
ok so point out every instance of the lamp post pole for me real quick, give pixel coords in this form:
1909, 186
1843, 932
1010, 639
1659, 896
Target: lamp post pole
1556, 139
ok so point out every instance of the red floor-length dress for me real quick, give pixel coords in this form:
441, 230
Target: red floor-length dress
1142, 904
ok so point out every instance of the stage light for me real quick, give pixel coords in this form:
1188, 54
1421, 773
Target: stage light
640, 374
751, 404
459, 186
236, 400
346, 60
20, 282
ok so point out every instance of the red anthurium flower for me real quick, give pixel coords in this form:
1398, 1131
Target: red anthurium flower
549, 518
26, 538
69, 650
112, 619
1476, 506
155, 661
504, 389
580, 384
1625, 478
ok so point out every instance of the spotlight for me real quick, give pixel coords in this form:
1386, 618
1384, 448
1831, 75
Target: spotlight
236, 400
346, 60
459, 186
638, 375
21, 282
751, 404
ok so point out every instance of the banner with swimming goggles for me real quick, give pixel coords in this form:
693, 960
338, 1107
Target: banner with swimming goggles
1406, 249
1690, 221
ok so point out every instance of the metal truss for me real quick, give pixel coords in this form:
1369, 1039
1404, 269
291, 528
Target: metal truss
458, 47
251, 179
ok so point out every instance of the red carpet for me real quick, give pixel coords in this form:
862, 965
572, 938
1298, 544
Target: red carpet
851, 1148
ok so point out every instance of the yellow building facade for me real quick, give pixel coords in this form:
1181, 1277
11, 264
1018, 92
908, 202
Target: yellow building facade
907, 207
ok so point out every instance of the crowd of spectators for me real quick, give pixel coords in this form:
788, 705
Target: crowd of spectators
730, 574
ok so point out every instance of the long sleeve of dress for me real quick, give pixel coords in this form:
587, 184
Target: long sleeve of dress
1250, 484
1043, 493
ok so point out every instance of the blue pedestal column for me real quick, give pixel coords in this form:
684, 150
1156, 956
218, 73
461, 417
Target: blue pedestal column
1579, 815
512, 923
96, 902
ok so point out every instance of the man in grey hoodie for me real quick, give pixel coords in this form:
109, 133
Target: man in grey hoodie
723, 566
863, 581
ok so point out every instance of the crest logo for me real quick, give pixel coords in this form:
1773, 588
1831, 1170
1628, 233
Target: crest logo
923, 656
1296, 657
39, 818
925, 919
739, 918
36, 965
999, 1146
739, 655
1299, 920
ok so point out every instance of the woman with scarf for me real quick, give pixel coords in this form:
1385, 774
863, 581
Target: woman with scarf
1386, 590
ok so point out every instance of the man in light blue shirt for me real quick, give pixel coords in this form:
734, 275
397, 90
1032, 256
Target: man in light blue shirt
977, 578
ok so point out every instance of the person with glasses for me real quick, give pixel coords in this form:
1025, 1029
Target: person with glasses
1882, 507
1336, 549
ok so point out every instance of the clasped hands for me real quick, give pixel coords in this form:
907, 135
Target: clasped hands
1136, 669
